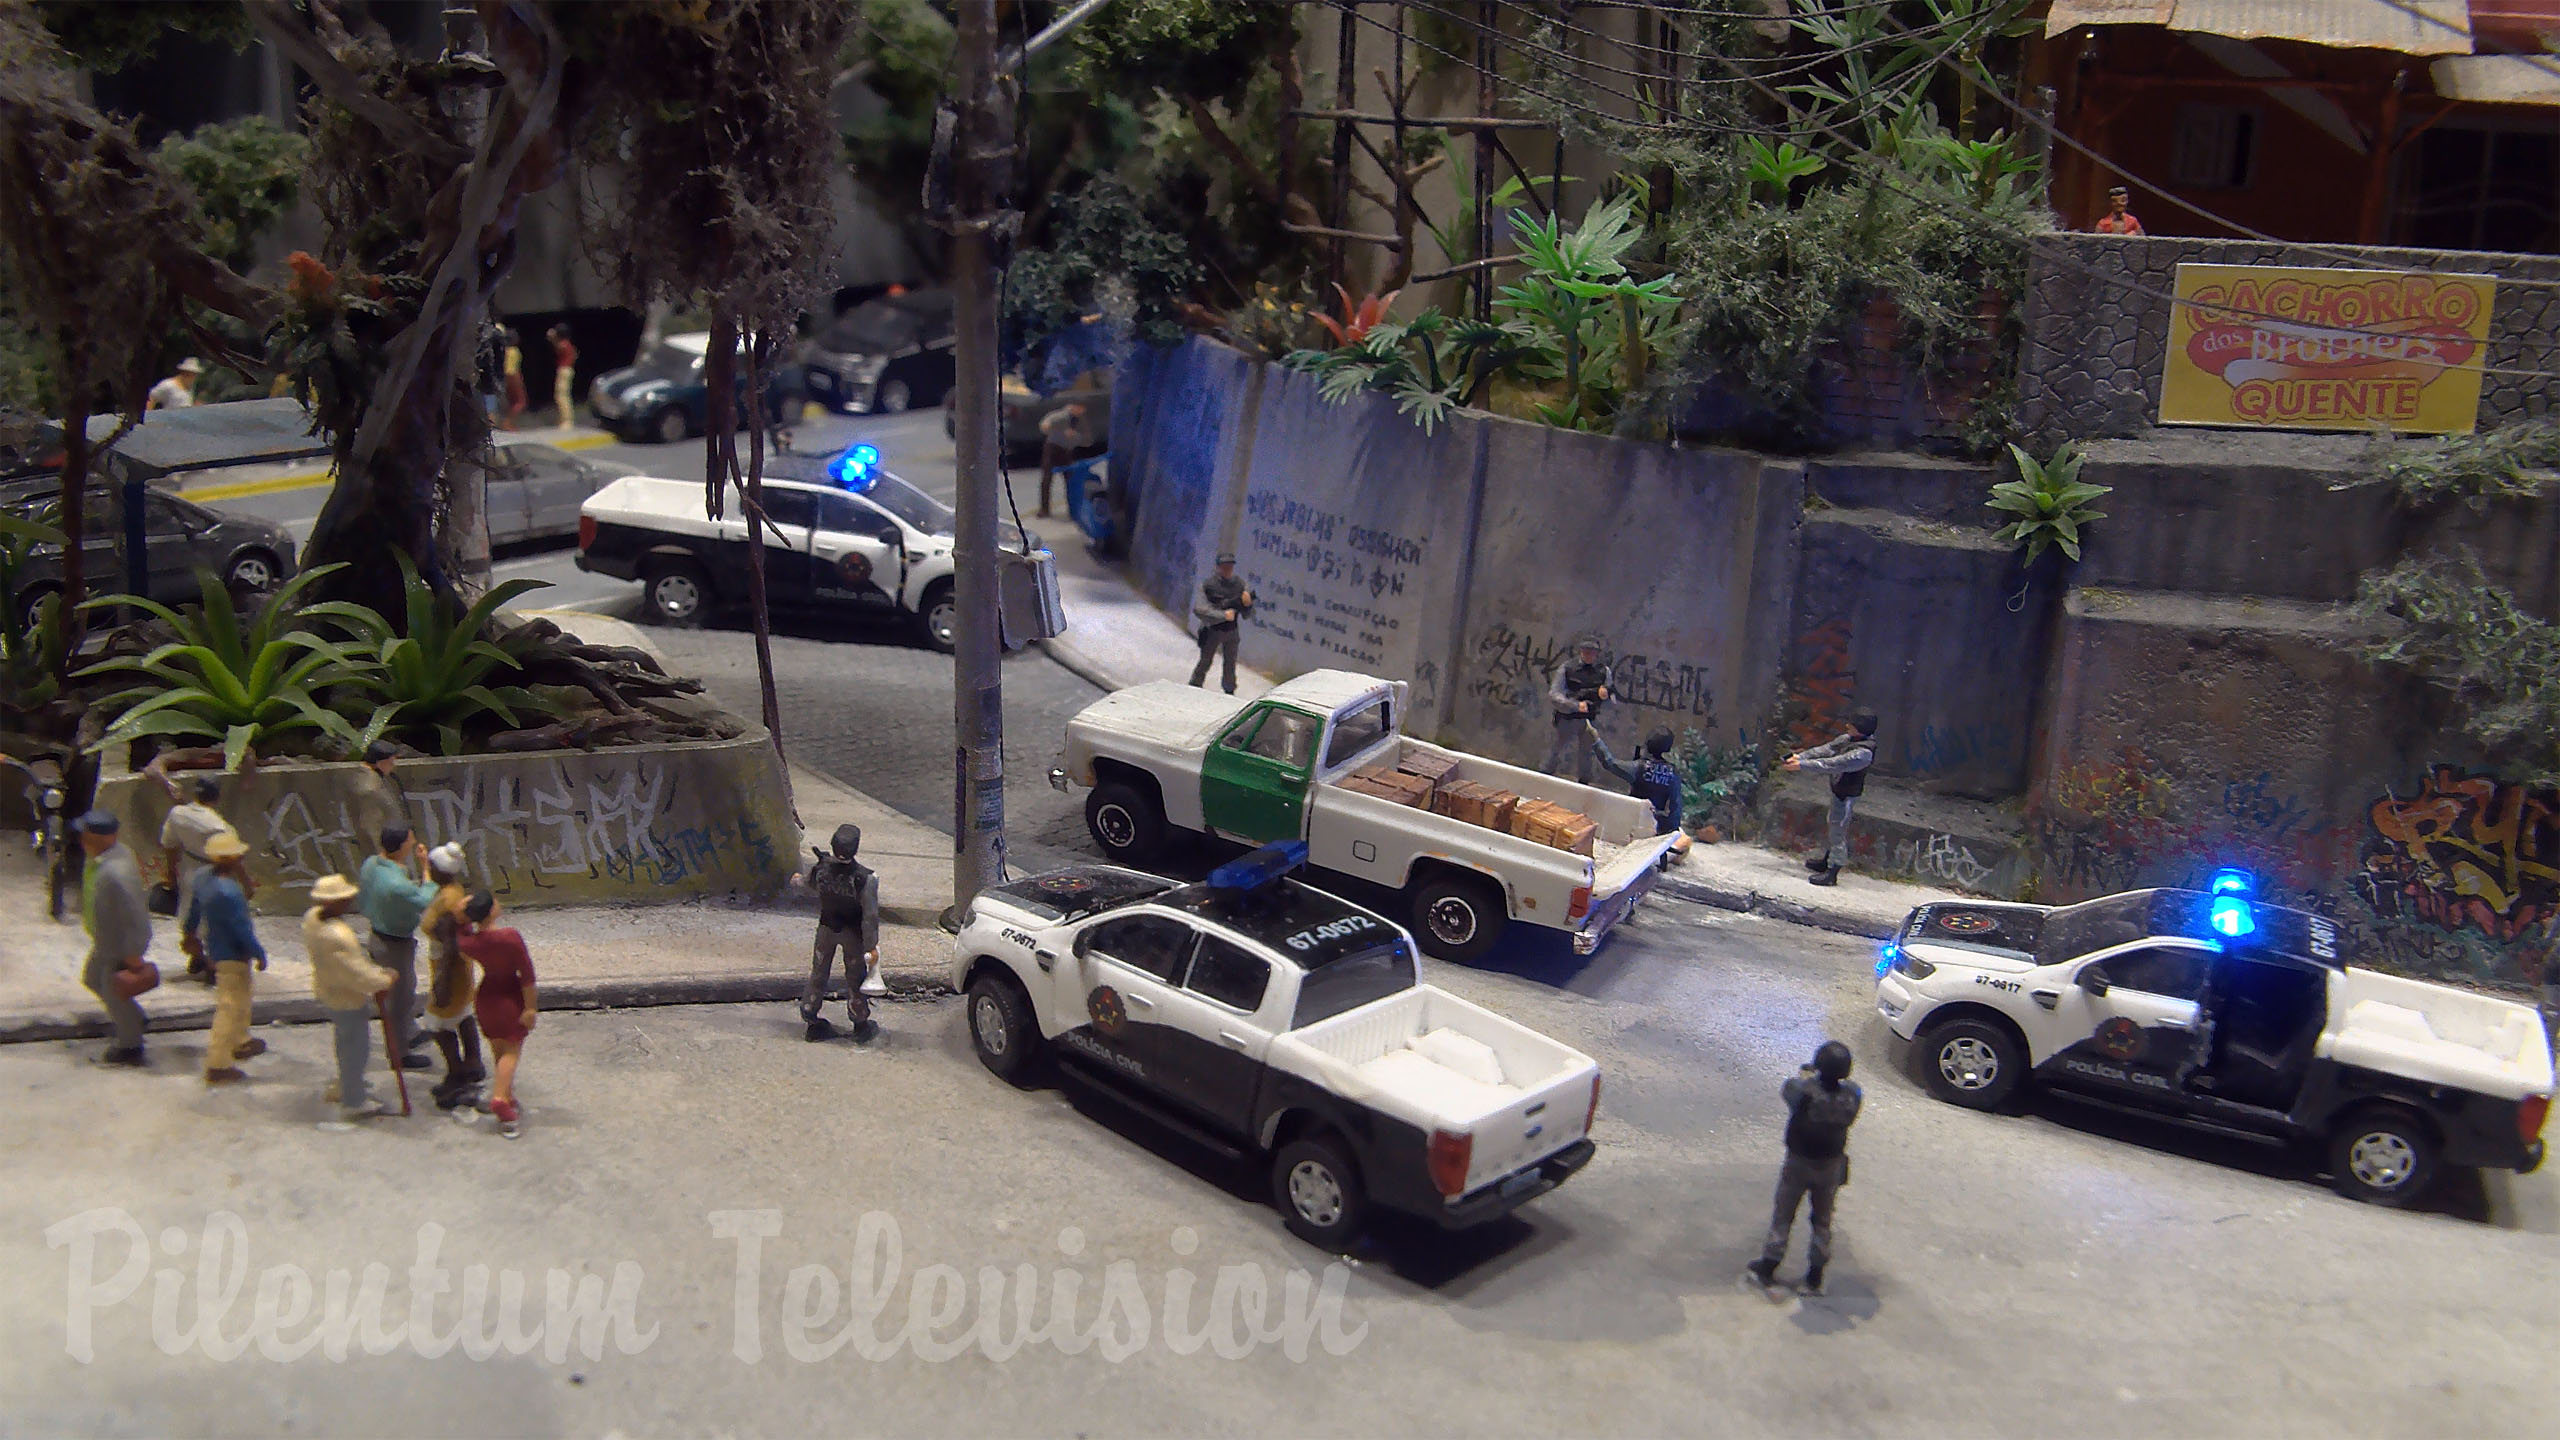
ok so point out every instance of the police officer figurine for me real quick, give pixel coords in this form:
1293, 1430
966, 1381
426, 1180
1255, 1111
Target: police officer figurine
1223, 602
848, 921
1821, 1106
1845, 759
1654, 780
1581, 687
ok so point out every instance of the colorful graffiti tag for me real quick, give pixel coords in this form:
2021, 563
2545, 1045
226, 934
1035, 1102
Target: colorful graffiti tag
2466, 851
1824, 686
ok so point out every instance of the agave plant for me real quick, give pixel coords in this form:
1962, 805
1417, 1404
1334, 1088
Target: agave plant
2050, 500
241, 684
435, 677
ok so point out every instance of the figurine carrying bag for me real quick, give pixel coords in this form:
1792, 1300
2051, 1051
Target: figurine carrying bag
139, 978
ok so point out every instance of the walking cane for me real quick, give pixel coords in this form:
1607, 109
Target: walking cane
391, 1047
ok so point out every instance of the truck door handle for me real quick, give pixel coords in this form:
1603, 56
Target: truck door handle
2047, 998
1232, 1039
1140, 1002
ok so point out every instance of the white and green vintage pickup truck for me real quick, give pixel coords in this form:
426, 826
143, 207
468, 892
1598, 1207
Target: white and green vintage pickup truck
1162, 757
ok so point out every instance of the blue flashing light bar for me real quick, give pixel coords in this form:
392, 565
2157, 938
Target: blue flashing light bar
1261, 868
2231, 882
856, 468
2229, 915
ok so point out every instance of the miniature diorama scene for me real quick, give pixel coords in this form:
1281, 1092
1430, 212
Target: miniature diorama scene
1279, 717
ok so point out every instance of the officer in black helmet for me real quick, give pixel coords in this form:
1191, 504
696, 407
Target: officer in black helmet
1845, 759
1821, 1106
848, 921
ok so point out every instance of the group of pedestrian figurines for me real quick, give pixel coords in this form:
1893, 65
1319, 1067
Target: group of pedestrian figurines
480, 977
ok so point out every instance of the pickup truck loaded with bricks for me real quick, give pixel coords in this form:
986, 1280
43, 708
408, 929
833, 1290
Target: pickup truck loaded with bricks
1473, 844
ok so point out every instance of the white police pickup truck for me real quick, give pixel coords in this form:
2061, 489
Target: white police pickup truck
844, 534
2218, 1011
1162, 757
1268, 1020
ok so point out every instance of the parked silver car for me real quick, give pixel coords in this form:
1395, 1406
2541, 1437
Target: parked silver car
535, 491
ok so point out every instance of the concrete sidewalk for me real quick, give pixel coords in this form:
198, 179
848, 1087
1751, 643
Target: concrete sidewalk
1735, 876
588, 957
1116, 637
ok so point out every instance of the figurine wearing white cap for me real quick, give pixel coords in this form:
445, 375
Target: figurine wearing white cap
450, 982
179, 390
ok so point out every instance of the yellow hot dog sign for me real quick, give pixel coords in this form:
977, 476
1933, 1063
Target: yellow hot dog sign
2290, 349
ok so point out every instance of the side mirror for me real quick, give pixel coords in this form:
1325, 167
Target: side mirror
1084, 943
2094, 980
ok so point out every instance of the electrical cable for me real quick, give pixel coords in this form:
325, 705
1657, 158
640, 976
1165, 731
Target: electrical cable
1869, 160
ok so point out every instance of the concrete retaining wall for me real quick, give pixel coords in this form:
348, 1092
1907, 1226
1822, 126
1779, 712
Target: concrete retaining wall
2097, 325
634, 823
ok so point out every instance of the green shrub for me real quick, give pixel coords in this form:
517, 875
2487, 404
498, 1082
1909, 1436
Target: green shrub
2050, 500
2445, 621
434, 679
221, 680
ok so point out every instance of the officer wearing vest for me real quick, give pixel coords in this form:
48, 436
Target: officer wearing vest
1653, 779
1582, 685
848, 922
1821, 1106
1845, 759
1224, 600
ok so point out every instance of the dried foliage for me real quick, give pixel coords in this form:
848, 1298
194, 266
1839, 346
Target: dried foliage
2446, 621
2513, 462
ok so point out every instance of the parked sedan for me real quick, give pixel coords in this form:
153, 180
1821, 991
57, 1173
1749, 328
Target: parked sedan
886, 355
179, 537
662, 395
535, 492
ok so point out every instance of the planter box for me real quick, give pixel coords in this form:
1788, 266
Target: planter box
636, 823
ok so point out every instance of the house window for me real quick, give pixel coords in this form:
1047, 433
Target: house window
2483, 189
2216, 147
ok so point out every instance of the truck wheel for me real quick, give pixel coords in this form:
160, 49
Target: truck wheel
1972, 1063
1000, 1028
2385, 1156
678, 593
1457, 917
1318, 1191
1126, 822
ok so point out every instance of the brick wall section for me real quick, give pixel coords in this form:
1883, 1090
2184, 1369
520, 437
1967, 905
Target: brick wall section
2097, 323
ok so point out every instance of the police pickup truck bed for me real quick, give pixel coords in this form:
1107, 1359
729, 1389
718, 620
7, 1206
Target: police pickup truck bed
2215, 1010
1267, 1019
1163, 757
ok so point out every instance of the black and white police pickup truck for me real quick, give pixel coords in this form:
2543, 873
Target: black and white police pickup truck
1267, 1019
844, 533
2216, 1010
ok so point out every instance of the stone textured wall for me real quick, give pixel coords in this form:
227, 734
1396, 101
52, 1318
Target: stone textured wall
632, 823
2097, 325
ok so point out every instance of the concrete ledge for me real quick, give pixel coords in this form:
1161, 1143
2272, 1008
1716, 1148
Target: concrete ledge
562, 827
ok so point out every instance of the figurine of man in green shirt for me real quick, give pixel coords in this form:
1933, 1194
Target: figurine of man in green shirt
392, 897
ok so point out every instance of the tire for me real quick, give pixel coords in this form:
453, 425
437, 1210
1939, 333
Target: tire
1001, 1030
939, 620
1125, 822
1318, 1191
669, 427
254, 570
2384, 1156
678, 593
1457, 917
28, 600
894, 397
1972, 1063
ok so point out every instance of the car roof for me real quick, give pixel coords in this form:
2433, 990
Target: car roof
1304, 925
1080, 890
691, 342
1327, 690
2278, 932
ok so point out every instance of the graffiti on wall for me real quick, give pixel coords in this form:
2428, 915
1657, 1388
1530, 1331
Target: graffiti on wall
1822, 685
1319, 580
1515, 667
2128, 821
2466, 851
622, 822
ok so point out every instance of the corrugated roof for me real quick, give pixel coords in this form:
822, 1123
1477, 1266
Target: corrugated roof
2498, 79
2412, 27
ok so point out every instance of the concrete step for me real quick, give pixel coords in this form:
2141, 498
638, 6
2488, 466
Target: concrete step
1900, 832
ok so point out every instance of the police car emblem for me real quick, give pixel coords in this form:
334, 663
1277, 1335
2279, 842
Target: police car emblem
2120, 1038
1109, 1015
855, 569
1966, 922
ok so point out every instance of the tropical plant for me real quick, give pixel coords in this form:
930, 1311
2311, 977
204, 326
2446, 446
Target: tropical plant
26, 634
1987, 168
434, 678
1457, 239
1714, 776
1581, 305
241, 684
1776, 168
1359, 317
1432, 364
2050, 500
1273, 323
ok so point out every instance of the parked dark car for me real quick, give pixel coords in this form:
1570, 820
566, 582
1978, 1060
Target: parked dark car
1023, 411
535, 491
248, 553
661, 395
886, 355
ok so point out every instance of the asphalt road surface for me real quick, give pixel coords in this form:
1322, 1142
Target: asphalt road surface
2050, 1272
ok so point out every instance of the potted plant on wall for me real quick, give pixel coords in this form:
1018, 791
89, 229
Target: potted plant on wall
2051, 503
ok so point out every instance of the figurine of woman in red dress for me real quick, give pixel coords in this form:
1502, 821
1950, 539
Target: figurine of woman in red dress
505, 1004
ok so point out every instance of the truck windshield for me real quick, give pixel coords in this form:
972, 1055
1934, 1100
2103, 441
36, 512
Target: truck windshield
1353, 981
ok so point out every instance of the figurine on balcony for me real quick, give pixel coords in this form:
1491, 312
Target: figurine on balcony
2118, 220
